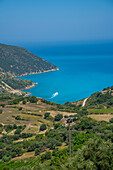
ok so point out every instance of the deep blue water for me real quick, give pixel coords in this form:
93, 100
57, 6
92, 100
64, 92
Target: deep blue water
84, 69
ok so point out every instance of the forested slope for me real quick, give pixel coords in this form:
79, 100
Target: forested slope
18, 61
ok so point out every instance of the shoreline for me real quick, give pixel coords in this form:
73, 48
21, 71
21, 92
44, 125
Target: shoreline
31, 86
25, 74
27, 94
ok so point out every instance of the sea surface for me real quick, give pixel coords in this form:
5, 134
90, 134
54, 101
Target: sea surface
83, 70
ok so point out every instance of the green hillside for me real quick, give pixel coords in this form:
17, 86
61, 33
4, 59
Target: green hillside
103, 99
34, 133
19, 61
12, 85
13, 82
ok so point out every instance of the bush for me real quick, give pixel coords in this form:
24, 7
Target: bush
58, 117
37, 151
50, 118
6, 158
8, 127
20, 108
33, 99
111, 120
43, 127
1, 111
46, 156
39, 136
1, 125
14, 126
1, 145
26, 135
3, 105
24, 102
46, 115
17, 131
65, 116
57, 125
18, 117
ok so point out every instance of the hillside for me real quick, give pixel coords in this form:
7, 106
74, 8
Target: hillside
18, 61
99, 100
12, 85
34, 133
102, 99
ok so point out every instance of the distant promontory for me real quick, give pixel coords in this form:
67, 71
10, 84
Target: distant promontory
18, 61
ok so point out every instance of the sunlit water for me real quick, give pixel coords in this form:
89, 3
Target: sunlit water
78, 77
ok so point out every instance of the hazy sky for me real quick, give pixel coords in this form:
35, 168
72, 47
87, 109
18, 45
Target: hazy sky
55, 20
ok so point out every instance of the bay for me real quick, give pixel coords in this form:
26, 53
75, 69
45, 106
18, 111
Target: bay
78, 77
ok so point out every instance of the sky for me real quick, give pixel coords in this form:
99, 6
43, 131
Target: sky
55, 20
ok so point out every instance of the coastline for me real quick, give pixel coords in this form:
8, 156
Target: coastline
27, 94
25, 74
31, 86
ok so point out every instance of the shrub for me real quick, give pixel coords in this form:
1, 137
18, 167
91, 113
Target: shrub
46, 156
1, 125
111, 87
50, 118
8, 128
14, 126
6, 158
58, 117
1, 145
39, 136
46, 115
37, 151
43, 127
111, 120
3, 105
1, 111
56, 125
24, 102
18, 117
26, 135
17, 131
20, 108
65, 116
33, 99
15, 102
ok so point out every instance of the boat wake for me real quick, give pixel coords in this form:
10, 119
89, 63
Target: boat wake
54, 95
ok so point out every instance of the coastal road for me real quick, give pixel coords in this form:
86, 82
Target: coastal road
84, 102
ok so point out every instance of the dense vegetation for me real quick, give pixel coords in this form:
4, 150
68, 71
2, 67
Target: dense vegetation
90, 150
102, 99
18, 61
14, 83
47, 146
34, 132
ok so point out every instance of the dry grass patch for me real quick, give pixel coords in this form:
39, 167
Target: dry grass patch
12, 132
24, 156
63, 146
33, 129
100, 117
35, 107
25, 139
54, 113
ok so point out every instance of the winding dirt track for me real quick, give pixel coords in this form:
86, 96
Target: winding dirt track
84, 102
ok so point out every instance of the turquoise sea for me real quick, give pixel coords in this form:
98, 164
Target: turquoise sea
83, 70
